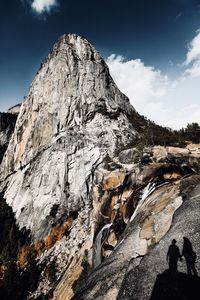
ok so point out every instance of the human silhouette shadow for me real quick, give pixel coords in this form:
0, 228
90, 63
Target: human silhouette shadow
173, 255
174, 285
190, 257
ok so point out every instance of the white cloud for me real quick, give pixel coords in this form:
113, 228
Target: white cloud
194, 70
192, 61
194, 50
172, 103
138, 79
143, 85
182, 102
43, 6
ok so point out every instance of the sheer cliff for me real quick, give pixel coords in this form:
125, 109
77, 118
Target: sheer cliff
73, 117
86, 208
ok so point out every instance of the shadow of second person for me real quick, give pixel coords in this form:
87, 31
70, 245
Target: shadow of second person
190, 257
176, 286
173, 255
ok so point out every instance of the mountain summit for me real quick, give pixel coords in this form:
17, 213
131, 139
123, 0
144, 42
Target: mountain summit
83, 214
73, 116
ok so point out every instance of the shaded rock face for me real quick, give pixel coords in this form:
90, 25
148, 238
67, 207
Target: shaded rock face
10, 236
7, 125
13, 283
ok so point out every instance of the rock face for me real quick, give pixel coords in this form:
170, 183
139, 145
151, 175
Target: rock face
7, 125
14, 109
151, 279
73, 117
87, 216
167, 208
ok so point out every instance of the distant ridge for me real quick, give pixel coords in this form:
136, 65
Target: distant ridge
14, 109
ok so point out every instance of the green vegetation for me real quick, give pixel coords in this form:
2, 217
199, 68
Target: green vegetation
153, 134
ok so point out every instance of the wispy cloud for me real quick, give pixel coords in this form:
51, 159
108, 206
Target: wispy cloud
178, 16
193, 50
43, 6
143, 83
172, 103
192, 62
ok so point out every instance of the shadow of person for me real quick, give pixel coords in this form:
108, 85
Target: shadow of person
173, 255
174, 285
190, 257
180, 286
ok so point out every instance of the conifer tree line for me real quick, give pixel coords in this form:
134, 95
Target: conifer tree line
153, 134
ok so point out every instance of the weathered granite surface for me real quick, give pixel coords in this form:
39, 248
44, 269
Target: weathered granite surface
73, 116
130, 272
95, 215
152, 279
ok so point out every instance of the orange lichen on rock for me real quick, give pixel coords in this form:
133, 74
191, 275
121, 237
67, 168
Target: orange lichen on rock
40, 246
114, 180
173, 175
57, 234
28, 252
48, 241
113, 207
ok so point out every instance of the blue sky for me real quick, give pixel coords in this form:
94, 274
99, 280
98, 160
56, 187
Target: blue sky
152, 48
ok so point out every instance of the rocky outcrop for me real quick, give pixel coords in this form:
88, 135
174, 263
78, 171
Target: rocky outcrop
167, 208
89, 207
151, 279
14, 109
7, 125
72, 119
